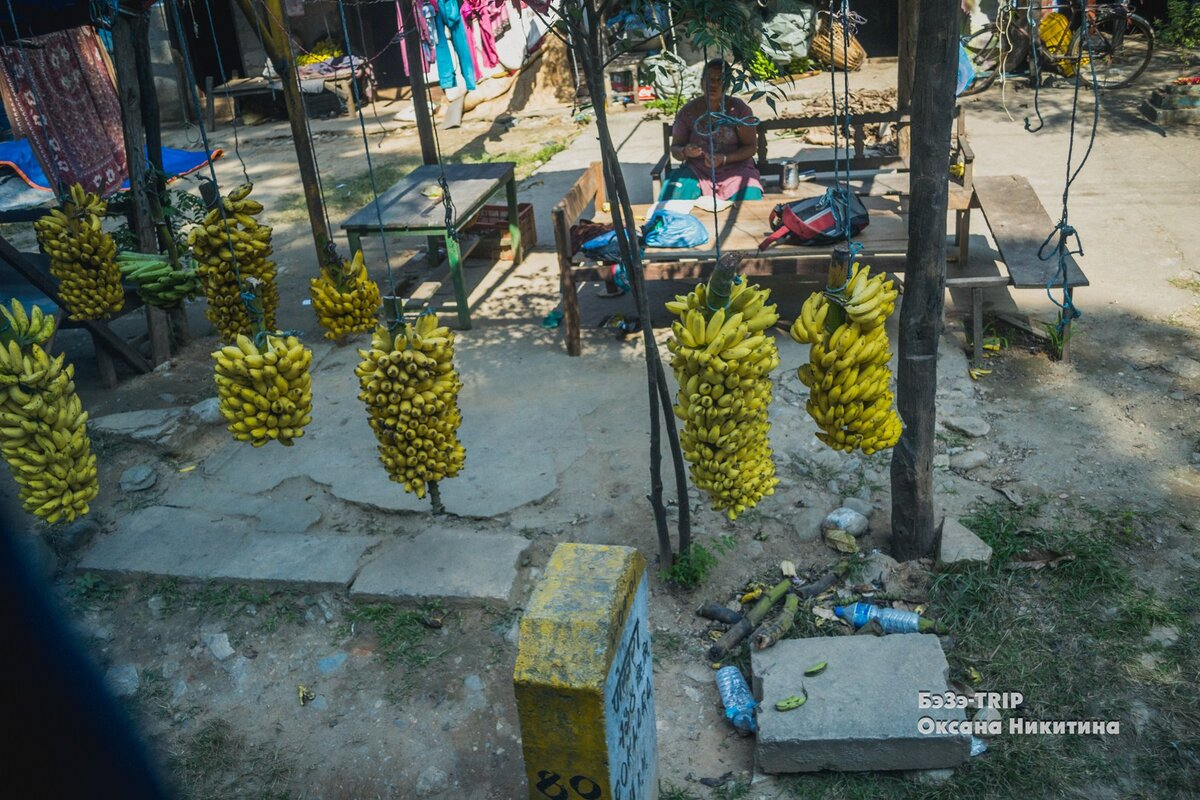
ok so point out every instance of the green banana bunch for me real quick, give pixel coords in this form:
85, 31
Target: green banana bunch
723, 366
410, 386
220, 241
847, 373
265, 394
346, 299
159, 284
81, 256
32, 328
43, 427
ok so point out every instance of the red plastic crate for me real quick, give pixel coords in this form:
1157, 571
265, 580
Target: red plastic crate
491, 226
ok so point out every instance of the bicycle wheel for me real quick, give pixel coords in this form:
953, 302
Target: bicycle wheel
1121, 48
983, 48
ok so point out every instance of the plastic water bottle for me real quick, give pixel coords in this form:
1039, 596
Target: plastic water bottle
737, 699
892, 620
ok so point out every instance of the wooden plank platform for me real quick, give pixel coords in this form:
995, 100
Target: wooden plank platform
1020, 225
405, 209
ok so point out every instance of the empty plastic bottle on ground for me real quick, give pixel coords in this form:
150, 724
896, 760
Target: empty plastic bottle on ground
892, 620
737, 699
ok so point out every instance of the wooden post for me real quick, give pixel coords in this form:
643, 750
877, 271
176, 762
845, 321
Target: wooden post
416, 80
914, 532
906, 62
279, 49
140, 218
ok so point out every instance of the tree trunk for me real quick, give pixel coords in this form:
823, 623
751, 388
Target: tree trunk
624, 224
416, 80
913, 526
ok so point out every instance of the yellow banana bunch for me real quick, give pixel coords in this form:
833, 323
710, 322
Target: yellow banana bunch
230, 244
345, 298
43, 429
847, 373
411, 390
723, 364
265, 393
81, 256
27, 328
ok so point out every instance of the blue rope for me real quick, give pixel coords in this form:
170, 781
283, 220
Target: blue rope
1063, 230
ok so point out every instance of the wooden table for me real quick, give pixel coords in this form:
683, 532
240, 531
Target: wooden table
403, 211
743, 225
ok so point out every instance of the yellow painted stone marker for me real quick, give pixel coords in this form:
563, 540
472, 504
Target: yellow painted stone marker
583, 678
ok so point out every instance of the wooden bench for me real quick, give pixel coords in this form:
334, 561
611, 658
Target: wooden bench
1019, 226
588, 191
870, 175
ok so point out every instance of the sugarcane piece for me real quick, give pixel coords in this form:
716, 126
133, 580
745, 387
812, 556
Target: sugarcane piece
719, 613
770, 633
734, 636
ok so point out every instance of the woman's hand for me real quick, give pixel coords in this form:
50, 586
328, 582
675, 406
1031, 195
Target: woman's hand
692, 151
720, 160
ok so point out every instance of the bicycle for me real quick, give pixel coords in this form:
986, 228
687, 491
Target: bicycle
1121, 44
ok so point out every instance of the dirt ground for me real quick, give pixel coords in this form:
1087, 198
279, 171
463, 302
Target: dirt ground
1101, 455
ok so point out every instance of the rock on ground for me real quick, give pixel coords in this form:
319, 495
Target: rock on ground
960, 544
968, 426
122, 679
971, 459
138, 478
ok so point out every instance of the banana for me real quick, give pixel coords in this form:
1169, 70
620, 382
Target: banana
418, 437
232, 257
251, 402
81, 259
346, 300
847, 374
722, 367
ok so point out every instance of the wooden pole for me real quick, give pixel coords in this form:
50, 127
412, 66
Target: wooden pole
914, 534
279, 49
140, 218
906, 62
416, 80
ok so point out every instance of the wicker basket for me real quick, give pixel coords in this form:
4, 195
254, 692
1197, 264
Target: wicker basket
840, 58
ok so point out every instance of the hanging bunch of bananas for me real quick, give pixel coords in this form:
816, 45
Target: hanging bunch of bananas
232, 244
265, 392
81, 256
847, 374
345, 298
158, 282
43, 427
723, 366
411, 389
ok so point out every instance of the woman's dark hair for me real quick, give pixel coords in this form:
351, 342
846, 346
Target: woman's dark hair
716, 63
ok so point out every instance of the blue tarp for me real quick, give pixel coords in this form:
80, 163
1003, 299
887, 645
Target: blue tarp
18, 156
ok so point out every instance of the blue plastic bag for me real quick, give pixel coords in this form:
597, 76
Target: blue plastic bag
603, 248
669, 229
966, 70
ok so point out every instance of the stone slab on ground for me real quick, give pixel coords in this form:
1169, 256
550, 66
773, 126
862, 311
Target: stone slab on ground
443, 562
189, 543
960, 544
862, 711
166, 429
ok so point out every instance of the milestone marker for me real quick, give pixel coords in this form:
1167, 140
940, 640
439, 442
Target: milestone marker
583, 678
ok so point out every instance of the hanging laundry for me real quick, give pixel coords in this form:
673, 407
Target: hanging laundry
481, 16
424, 14
60, 96
450, 20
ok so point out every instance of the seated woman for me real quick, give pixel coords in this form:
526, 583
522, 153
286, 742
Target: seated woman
698, 142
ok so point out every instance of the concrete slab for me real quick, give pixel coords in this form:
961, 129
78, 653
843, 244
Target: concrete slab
190, 543
443, 562
168, 429
959, 543
862, 711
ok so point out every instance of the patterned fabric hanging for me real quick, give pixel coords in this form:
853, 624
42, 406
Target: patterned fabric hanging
60, 95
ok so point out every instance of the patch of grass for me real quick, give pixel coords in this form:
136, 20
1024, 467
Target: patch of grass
89, 590
226, 600
669, 791
668, 106
690, 568
216, 758
400, 632
1191, 284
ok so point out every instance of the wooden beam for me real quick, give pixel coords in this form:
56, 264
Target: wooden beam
416, 81
914, 531
279, 50
905, 75
141, 220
